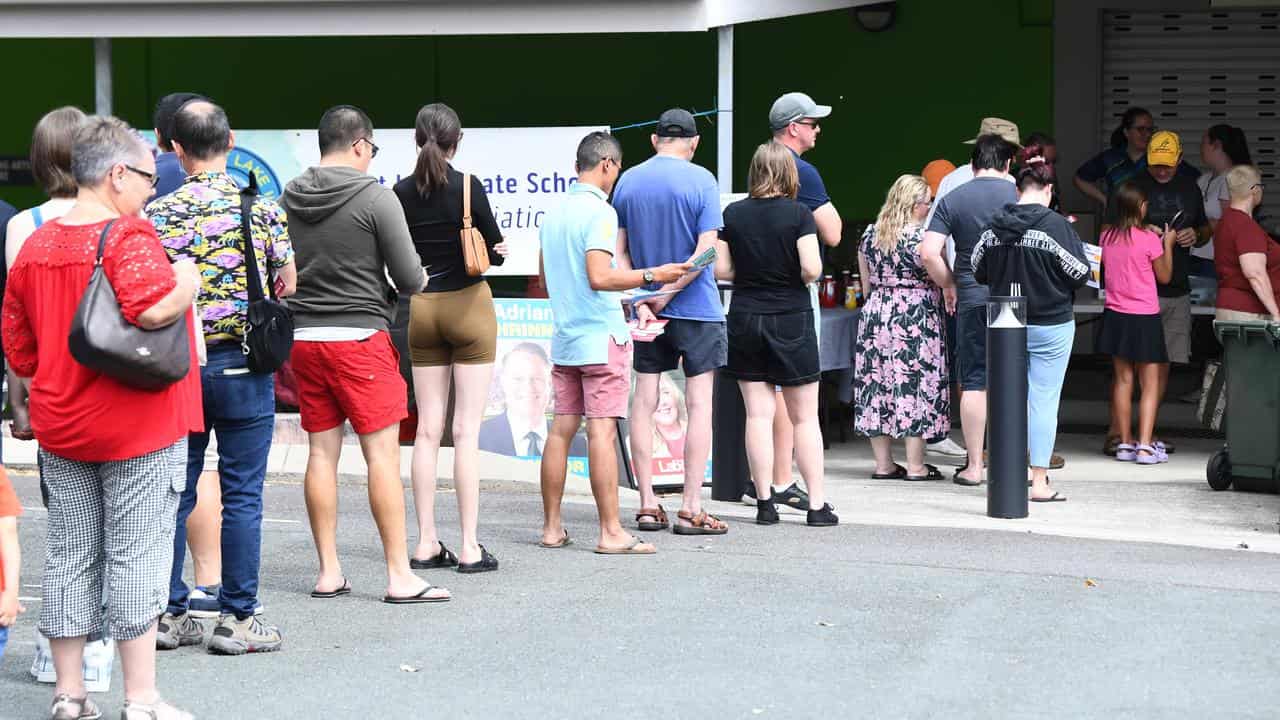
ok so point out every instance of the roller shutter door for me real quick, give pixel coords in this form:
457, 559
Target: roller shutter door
1197, 69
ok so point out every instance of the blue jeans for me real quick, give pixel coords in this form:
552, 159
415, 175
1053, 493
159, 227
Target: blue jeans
240, 408
4, 640
1048, 350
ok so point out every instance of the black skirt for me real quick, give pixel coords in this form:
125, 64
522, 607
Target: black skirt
1137, 338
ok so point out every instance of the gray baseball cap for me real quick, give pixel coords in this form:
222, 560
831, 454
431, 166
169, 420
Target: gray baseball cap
795, 106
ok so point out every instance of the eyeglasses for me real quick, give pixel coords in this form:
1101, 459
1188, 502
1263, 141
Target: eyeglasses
810, 123
1260, 186
1144, 129
373, 149
153, 178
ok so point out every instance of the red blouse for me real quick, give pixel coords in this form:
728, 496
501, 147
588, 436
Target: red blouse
77, 413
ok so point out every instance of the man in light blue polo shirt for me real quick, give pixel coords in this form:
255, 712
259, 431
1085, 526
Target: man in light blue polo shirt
591, 346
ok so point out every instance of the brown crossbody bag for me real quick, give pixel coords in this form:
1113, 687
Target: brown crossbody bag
475, 254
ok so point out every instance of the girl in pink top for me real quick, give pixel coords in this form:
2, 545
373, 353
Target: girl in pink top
1134, 258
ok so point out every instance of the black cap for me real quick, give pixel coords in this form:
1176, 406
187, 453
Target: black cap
677, 123
167, 108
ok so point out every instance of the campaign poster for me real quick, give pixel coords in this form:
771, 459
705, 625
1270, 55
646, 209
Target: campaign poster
670, 428
524, 171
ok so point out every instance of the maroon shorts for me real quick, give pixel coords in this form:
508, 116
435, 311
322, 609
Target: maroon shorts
358, 380
595, 391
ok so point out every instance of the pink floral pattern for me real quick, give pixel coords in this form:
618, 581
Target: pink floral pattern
901, 370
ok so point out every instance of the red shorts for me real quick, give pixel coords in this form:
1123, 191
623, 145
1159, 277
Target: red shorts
359, 380
596, 391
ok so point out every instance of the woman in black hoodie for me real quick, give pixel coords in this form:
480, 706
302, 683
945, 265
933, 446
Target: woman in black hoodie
1030, 244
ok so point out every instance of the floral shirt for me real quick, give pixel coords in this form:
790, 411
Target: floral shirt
200, 221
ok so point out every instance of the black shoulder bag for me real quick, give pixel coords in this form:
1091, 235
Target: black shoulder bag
269, 335
102, 340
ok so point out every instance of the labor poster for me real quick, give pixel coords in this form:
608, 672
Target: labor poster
524, 171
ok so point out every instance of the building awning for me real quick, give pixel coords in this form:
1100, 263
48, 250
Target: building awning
243, 18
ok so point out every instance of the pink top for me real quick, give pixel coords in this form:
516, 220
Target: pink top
1130, 279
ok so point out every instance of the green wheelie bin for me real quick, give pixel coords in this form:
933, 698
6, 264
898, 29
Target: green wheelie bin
1251, 458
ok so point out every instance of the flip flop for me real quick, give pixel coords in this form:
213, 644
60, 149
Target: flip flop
421, 597
931, 473
564, 541
443, 559
898, 473
628, 550
964, 481
345, 589
1056, 497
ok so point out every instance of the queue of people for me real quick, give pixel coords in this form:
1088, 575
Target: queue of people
340, 247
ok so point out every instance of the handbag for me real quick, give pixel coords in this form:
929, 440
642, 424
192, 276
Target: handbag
475, 254
102, 340
1213, 397
268, 337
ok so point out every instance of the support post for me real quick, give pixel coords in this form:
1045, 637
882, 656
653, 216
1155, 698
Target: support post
1007, 405
724, 100
102, 76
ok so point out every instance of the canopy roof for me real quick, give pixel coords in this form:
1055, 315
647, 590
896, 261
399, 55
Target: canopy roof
240, 18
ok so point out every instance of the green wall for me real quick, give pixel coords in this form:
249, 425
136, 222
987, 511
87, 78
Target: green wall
901, 97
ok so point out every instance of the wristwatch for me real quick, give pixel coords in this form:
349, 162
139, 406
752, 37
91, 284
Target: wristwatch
648, 277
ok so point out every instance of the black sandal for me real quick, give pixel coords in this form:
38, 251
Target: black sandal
931, 473
442, 559
898, 473
486, 563
344, 589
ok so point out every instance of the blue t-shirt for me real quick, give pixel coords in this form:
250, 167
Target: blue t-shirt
664, 204
812, 192
170, 174
585, 319
1114, 167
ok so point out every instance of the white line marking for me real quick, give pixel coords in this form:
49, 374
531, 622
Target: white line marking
30, 599
289, 522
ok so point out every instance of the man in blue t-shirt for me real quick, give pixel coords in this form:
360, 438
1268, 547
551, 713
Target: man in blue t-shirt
669, 211
169, 172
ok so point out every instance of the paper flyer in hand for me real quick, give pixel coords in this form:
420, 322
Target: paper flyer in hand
1093, 253
652, 330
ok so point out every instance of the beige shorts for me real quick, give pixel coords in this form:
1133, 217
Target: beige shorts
1175, 317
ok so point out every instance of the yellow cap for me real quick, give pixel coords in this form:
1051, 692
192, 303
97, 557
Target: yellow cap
1165, 149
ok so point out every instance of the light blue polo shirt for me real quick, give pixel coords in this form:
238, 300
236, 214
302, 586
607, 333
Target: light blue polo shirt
585, 319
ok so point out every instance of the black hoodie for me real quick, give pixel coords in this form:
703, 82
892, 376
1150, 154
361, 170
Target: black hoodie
1037, 247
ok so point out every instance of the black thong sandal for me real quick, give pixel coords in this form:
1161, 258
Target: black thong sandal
931, 473
957, 479
344, 589
898, 473
1056, 497
443, 559
421, 597
486, 563
563, 542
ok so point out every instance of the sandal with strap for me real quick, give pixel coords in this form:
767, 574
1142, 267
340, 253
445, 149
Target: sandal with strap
65, 707
700, 524
443, 559
159, 710
660, 521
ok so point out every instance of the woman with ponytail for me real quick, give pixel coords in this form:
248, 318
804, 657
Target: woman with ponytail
1125, 159
452, 335
1222, 147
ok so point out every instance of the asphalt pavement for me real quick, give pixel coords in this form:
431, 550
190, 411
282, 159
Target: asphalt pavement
859, 621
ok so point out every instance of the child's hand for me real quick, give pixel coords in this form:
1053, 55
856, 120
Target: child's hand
10, 608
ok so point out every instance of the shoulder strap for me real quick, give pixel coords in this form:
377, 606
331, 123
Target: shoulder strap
466, 201
37, 217
102, 240
252, 278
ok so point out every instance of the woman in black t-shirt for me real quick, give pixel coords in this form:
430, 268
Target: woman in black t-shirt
769, 248
452, 335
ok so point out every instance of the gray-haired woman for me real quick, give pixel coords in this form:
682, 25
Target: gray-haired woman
113, 481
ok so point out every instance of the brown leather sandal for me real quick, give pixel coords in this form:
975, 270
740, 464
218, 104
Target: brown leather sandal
659, 522
700, 524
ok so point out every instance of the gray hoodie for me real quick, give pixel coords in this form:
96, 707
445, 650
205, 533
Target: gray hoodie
345, 228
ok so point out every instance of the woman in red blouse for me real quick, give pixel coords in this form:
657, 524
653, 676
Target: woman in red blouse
114, 457
1246, 259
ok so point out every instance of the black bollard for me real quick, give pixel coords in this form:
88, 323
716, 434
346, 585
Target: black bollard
1007, 406
730, 473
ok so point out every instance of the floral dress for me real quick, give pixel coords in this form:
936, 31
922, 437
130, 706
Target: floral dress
902, 385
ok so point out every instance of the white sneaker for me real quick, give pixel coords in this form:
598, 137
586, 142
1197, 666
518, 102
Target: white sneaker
947, 447
42, 665
99, 657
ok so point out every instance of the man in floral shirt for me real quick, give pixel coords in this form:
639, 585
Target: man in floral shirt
200, 221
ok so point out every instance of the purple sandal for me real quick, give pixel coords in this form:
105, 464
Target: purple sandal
1126, 452
1151, 457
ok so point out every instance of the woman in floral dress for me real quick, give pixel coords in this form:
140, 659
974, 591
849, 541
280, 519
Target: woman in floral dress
902, 384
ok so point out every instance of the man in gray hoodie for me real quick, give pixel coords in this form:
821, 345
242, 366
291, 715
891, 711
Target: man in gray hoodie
349, 233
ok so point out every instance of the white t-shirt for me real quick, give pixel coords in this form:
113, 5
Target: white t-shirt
1213, 188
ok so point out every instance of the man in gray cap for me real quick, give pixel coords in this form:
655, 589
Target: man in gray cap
794, 121
669, 211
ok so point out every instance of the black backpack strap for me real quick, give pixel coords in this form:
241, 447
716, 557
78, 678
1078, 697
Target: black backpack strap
254, 280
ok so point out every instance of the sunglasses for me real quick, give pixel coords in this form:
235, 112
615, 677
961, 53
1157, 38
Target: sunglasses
810, 123
153, 178
372, 148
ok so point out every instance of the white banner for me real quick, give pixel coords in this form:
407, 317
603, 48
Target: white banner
524, 170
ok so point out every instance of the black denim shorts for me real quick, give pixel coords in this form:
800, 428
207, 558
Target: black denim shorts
781, 349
